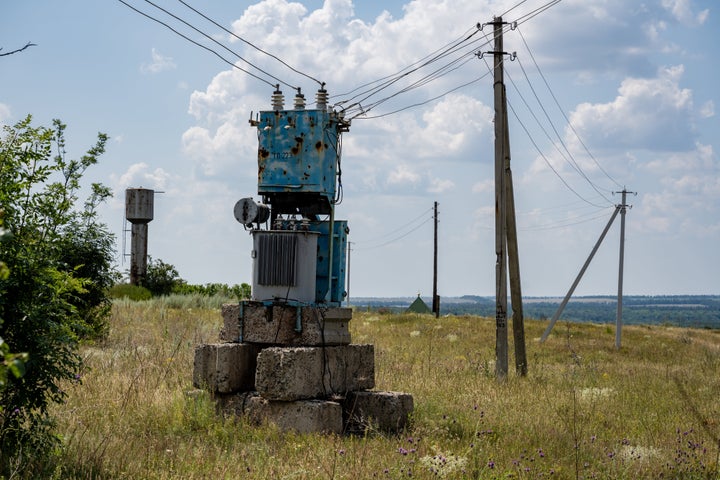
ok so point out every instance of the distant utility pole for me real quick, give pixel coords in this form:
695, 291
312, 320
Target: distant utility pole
618, 318
506, 246
621, 209
436, 297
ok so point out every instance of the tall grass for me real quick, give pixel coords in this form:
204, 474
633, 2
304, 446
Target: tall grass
585, 410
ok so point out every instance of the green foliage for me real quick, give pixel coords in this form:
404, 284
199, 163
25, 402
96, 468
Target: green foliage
161, 277
11, 363
238, 292
59, 262
135, 293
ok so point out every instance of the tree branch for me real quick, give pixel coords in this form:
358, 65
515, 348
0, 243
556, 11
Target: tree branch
18, 50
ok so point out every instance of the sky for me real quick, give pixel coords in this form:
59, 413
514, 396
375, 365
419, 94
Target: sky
603, 95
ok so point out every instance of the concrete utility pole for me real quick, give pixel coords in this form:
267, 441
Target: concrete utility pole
436, 298
618, 319
621, 209
501, 340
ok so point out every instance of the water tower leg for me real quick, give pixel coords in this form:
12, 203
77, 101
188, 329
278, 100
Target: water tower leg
138, 253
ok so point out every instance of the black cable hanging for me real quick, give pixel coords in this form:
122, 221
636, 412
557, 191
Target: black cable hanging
251, 44
196, 43
220, 44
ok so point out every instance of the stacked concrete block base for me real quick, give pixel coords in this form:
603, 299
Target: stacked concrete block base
294, 366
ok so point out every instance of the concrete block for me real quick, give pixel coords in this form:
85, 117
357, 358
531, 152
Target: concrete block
230, 331
296, 373
225, 367
276, 325
304, 416
385, 411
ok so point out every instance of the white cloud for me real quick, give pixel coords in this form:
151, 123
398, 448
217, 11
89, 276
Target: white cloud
5, 113
484, 186
440, 185
648, 113
159, 63
683, 12
402, 175
140, 175
708, 109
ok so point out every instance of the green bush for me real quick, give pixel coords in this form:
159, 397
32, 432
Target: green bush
59, 261
135, 293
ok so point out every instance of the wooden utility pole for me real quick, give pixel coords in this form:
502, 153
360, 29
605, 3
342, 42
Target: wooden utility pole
518, 321
501, 340
436, 298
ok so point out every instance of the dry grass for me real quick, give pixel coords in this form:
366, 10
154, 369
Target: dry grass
585, 410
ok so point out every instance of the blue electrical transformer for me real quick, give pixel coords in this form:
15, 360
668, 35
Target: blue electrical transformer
298, 180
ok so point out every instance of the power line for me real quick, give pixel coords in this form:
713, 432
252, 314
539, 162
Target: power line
528, 16
557, 103
572, 162
450, 49
399, 72
563, 223
398, 238
195, 43
532, 140
512, 8
251, 44
398, 229
219, 44
426, 101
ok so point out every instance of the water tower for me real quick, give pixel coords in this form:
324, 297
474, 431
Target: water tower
139, 212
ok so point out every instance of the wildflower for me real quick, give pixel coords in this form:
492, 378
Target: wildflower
402, 451
491, 464
341, 452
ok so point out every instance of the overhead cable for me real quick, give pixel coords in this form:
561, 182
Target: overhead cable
568, 222
557, 103
233, 34
512, 8
398, 229
406, 68
196, 43
219, 44
564, 154
532, 140
391, 80
528, 16
397, 238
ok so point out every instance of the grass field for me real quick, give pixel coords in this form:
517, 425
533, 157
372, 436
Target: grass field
585, 410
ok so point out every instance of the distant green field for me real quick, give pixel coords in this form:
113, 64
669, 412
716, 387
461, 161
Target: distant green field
697, 311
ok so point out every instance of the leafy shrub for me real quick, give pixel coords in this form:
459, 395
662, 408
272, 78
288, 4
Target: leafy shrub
161, 278
60, 265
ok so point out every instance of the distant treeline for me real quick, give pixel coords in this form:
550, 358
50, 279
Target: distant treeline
699, 311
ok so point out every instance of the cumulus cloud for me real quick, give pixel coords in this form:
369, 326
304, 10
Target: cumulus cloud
159, 63
708, 109
440, 185
5, 113
682, 11
141, 175
648, 113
